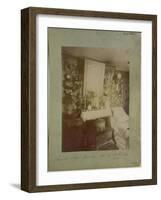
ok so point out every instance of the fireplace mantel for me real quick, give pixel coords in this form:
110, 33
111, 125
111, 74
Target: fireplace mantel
95, 114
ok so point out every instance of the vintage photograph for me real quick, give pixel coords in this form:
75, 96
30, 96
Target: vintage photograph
95, 99
88, 99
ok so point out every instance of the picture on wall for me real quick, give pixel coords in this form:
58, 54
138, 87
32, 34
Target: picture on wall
88, 99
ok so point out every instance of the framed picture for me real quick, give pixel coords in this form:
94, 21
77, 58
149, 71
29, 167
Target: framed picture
89, 99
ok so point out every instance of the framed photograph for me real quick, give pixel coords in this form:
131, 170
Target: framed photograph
88, 99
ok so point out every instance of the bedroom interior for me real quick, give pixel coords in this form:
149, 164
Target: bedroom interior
95, 99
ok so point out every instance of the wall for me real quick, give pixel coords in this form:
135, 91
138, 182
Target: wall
72, 82
116, 87
116, 84
10, 99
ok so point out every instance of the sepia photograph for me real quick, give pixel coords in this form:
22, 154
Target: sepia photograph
95, 99
94, 105
88, 99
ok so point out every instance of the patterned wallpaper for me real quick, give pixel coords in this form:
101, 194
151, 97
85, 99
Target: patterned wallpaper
72, 82
116, 85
